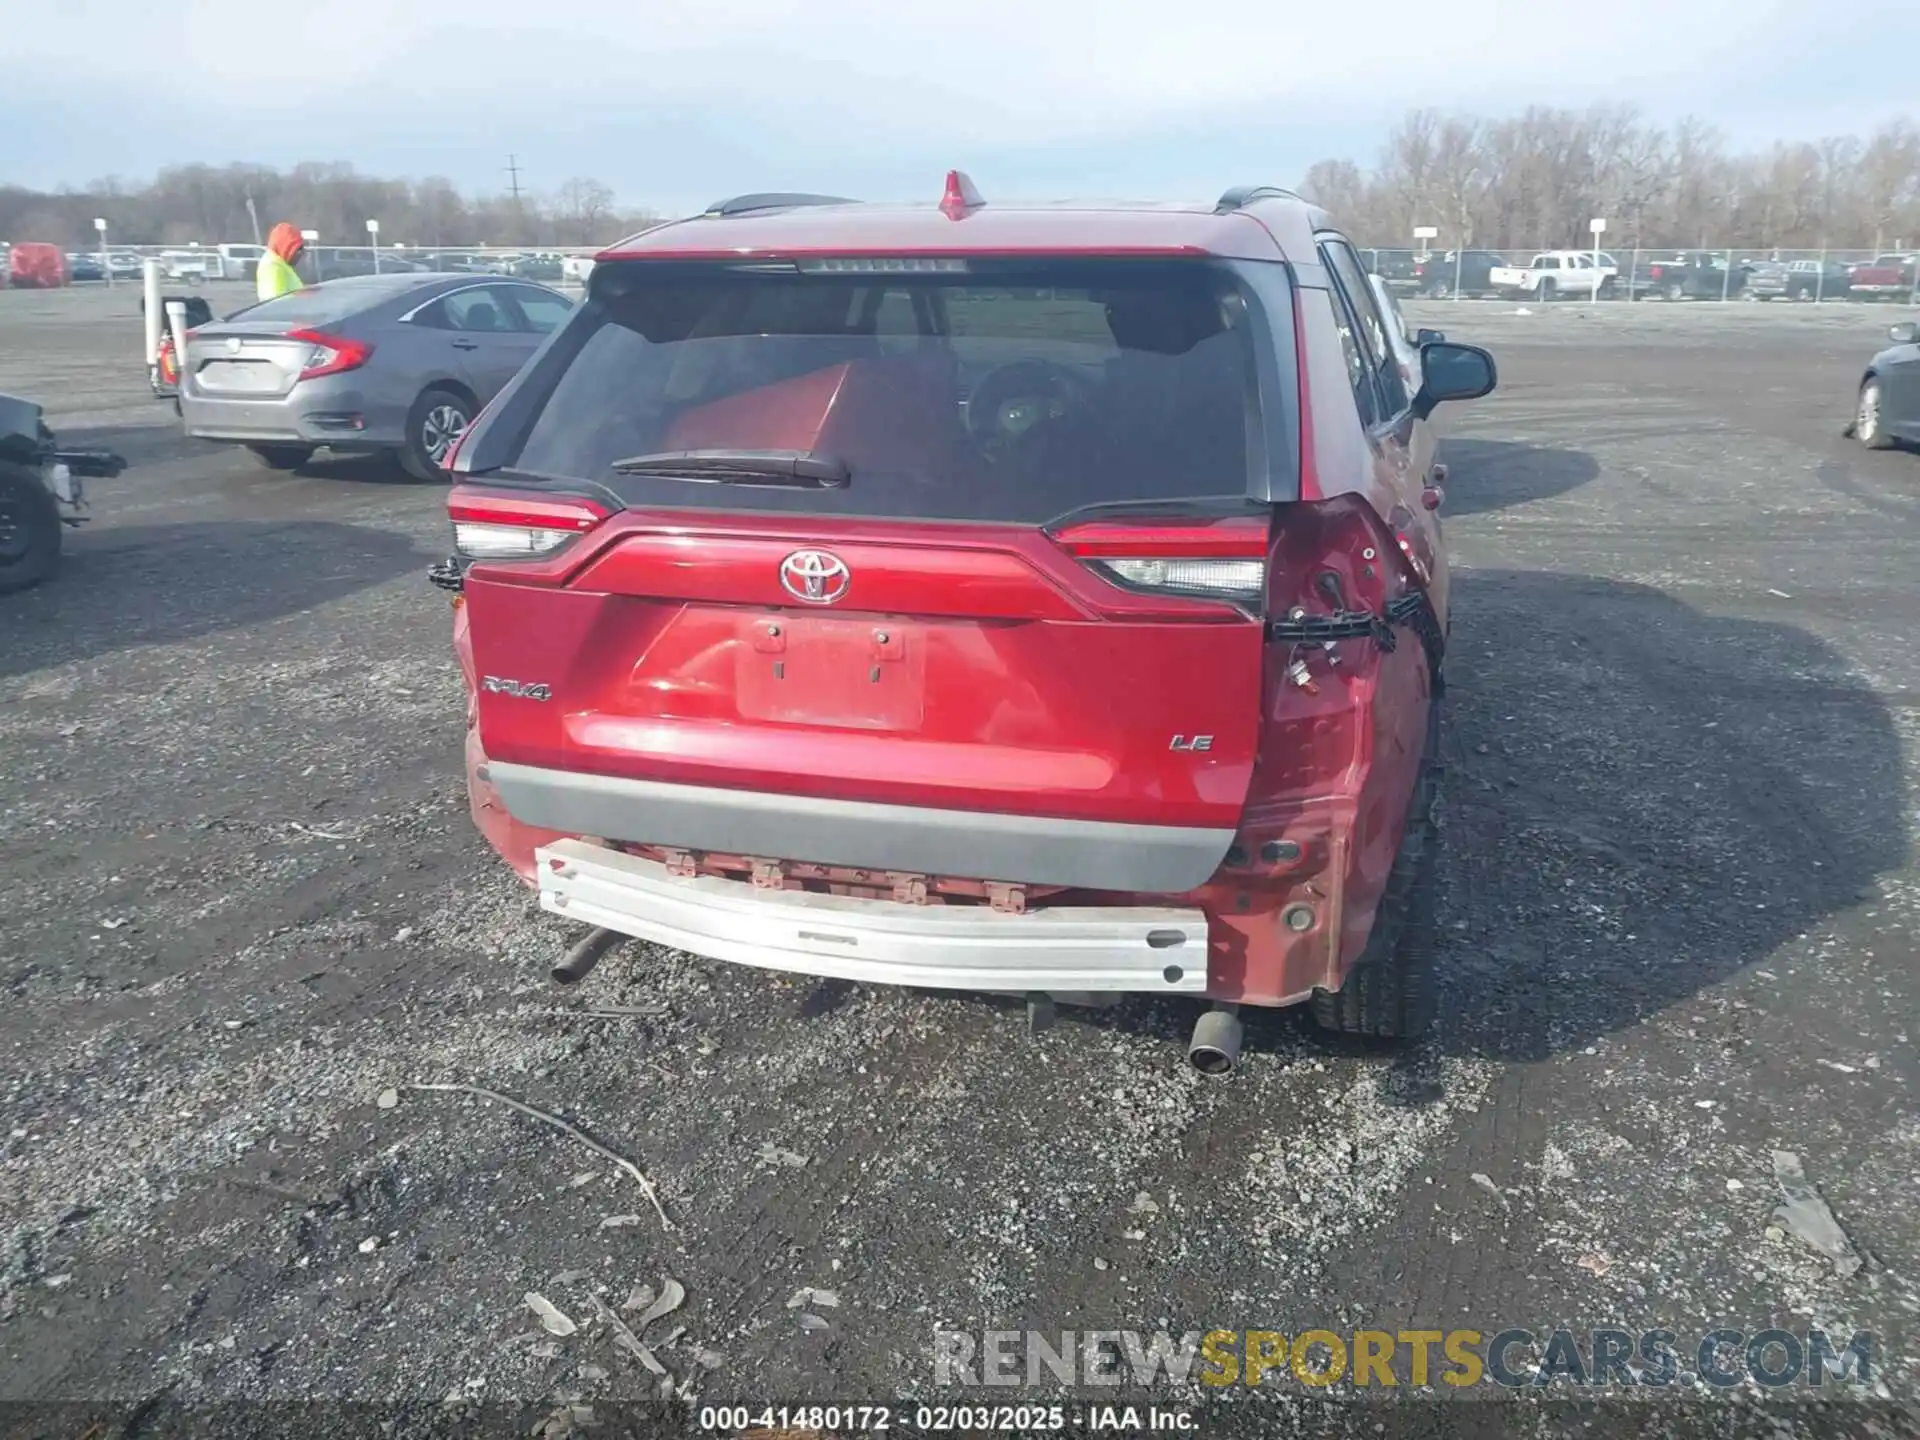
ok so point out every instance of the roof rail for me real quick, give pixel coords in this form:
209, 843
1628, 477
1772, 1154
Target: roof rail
773, 200
1241, 196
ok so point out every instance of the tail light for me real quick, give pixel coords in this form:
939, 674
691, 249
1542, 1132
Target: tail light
494, 525
330, 354
1207, 560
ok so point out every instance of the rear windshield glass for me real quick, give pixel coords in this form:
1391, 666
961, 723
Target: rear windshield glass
996, 394
324, 304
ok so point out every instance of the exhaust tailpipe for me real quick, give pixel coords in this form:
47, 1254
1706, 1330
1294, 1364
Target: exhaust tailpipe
1215, 1046
578, 962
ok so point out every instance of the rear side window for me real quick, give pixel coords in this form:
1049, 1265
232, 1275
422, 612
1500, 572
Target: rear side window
544, 311
1373, 337
484, 309
1012, 391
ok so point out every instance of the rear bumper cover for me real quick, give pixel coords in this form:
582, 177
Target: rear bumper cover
1023, 849
1100, 950
311, 414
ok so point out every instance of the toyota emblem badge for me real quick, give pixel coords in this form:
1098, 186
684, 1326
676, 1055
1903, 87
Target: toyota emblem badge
814, 576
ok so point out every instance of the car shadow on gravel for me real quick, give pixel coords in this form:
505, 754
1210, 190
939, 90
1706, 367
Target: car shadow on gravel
138, 445
141, 585
1643, 801
1484, 475
157, 444
377, 470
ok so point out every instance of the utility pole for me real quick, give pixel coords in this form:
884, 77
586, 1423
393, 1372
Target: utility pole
519, 213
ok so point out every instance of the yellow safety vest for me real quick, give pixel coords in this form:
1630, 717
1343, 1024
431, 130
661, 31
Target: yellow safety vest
275, 277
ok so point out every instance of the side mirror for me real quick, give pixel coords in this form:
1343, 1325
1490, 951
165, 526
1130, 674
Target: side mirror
1905, 333
1429, 337
1453, 372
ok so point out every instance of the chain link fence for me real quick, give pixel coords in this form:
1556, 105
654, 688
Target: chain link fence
1612, 272
197, 264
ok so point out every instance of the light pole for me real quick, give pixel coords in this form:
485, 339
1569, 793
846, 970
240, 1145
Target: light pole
106, 269
1424, 233
373, 243
311, 239
1599, 228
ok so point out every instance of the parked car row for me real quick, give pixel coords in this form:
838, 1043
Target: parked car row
1800, 280
546, 266
1654, 275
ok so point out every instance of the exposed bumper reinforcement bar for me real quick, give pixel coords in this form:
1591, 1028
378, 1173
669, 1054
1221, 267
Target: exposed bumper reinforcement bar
1160, 950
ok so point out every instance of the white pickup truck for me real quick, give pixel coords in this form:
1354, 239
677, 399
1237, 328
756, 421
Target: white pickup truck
192, 266
1555, 273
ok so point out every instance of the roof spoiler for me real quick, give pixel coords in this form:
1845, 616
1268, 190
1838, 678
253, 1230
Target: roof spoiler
772, 200
1241, 196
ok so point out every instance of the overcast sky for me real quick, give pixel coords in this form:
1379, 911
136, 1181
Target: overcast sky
676, 102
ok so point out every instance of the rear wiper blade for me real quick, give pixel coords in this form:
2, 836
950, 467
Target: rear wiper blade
802, 468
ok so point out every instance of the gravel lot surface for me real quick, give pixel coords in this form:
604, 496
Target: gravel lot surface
244, 909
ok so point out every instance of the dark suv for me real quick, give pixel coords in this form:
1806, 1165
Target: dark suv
1456, 272
1038, 600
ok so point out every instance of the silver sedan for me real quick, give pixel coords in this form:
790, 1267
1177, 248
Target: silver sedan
396, 364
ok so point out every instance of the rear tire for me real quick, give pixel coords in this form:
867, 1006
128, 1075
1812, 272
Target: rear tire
282, 457
438, 418
1389, 993
29, 530
1676, 291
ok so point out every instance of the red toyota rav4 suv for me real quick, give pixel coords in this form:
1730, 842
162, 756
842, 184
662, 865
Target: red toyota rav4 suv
1044, 600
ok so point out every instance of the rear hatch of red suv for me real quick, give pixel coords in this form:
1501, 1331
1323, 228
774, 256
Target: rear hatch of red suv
948, 566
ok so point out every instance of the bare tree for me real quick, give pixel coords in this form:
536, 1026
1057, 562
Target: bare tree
1536, 178
1889, 173
581, 211
209, 204
1337, 186
1514, 182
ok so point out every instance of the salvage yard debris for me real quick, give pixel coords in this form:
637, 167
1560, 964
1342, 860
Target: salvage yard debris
552, 1319
672, 1296
626, 1339
1806, 1216
565, 1127
626, 1336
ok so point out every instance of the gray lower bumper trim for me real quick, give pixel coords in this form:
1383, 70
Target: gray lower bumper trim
980, 845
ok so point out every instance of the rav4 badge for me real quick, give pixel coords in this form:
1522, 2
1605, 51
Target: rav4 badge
519, 689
